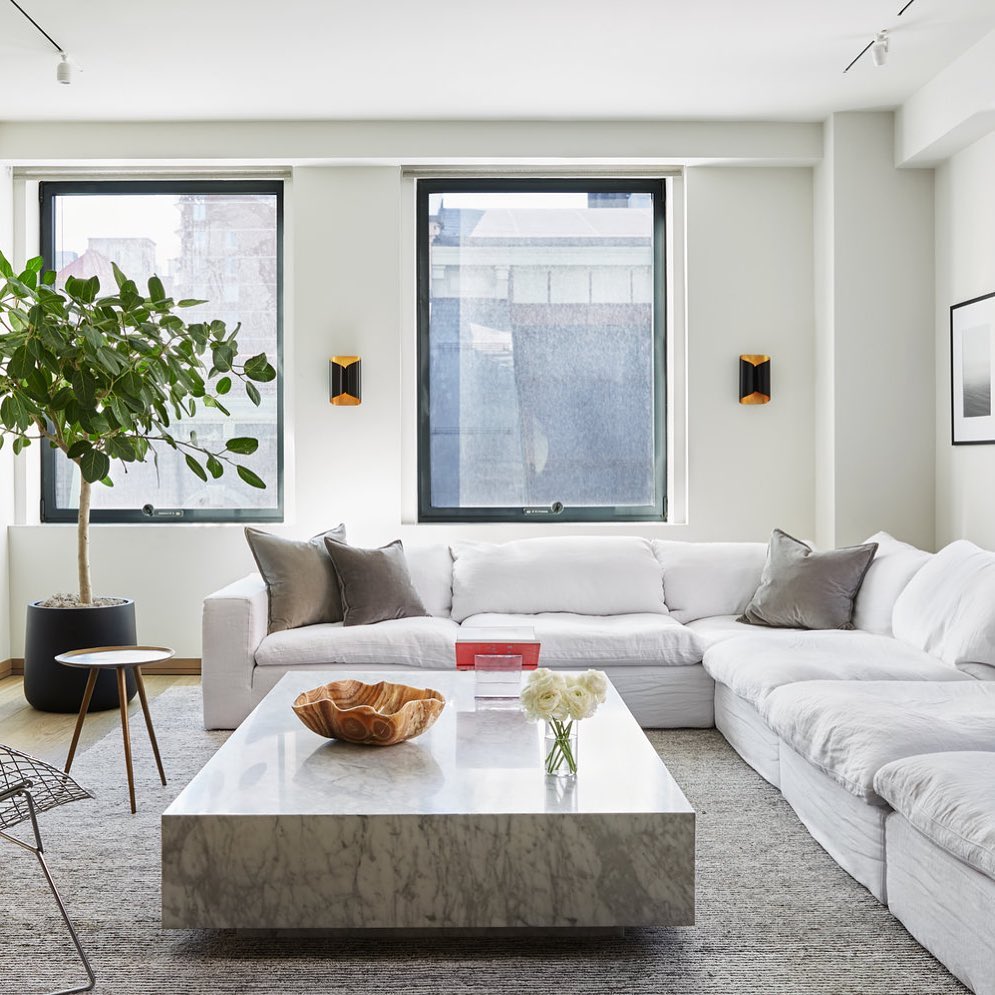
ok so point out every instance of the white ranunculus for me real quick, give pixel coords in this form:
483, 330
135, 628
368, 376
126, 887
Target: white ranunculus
542, 696
595, 682
579, 701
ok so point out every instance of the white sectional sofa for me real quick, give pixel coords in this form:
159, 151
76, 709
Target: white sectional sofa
882, 738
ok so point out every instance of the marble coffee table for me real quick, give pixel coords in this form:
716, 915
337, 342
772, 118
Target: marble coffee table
458, 829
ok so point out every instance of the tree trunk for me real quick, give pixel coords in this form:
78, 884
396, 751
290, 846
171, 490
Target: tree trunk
83, 543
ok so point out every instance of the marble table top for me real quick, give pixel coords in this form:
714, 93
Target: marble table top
481, 756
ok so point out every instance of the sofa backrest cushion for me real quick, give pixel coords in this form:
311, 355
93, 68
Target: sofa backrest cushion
948, 608
702, 579
588, 575
894, 565
431, 570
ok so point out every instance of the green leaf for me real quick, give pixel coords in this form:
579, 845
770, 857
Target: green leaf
21, 363
6, 270
156, 290
189, 302
14, 412
242, 445
214, 467
48, 277
195, 467
223, 385
84, 388
77, 449
34, 264
253, 391
250, 478
119, 278
21, 442
259, 369
94, 465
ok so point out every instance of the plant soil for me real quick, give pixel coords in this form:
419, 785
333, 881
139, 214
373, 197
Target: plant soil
72, 601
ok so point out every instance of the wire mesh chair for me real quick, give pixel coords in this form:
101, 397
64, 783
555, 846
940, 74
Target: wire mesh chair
29, 786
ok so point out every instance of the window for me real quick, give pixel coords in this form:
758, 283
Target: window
185, 232
541, 323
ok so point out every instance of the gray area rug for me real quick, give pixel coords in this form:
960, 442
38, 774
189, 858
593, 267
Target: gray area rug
775, 913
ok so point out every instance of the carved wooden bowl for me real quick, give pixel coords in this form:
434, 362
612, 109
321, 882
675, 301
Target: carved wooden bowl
373, 714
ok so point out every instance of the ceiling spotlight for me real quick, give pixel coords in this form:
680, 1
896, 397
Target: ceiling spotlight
64, 71
879, 49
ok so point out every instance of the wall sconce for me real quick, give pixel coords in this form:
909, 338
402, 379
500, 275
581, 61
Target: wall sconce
754, 379
345, 380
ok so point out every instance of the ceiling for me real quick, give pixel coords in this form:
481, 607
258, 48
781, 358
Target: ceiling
465, 59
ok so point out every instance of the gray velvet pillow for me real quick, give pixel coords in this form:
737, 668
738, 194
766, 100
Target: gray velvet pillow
800, 589
374, 583
300, 580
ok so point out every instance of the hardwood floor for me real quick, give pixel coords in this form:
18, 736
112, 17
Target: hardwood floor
46, 735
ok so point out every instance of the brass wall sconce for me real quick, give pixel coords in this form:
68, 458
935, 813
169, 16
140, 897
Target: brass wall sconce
754, 379
345, 380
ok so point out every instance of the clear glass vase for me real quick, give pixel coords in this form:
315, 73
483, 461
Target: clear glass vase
560, 748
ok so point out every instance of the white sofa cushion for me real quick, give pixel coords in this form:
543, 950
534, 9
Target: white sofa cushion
721, 627
950, 799
948, 608
701, 579
586, 575
850, 731
431, 571
895, 563
569, 640
753, 666
426, 642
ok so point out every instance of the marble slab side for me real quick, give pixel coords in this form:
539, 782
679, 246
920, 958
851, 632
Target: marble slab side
481, 870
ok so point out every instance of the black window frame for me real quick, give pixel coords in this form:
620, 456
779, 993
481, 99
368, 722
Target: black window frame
47, 193
424, 188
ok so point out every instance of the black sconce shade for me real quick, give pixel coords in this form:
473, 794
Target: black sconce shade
345, 380
754, 379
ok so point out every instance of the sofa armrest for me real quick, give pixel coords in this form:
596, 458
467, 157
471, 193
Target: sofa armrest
235, 621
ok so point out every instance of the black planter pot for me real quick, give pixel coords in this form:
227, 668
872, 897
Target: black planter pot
48, 685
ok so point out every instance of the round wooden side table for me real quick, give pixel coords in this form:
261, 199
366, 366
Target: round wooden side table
121, 659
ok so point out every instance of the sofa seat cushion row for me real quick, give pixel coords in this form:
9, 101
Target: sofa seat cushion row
949, 798
754, 666
580, 641
850, 731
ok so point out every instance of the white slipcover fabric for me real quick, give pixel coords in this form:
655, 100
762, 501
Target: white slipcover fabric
431, 570
748, 734
426, 642
950, 799
946, 905
851, 730
721, 627
895, 563
753, 666
586, 575
701, 579
582, 641
846, 827
947, 607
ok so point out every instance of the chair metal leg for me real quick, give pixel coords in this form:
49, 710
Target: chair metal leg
39, 851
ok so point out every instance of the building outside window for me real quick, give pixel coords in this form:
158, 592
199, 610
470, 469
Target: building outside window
541, 350
218, 241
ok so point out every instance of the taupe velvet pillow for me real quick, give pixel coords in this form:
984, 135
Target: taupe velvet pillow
800, 589
374, 583
300, 580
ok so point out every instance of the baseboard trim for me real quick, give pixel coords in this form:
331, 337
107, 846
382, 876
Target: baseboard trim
179, 666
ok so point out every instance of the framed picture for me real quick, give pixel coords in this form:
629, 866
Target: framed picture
972, 360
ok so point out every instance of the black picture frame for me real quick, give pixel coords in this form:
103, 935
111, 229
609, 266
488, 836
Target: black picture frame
972, 372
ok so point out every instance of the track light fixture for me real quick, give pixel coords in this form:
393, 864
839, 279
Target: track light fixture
64, 70
878, 46
879, 49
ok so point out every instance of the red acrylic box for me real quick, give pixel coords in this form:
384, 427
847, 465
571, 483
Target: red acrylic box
497, 642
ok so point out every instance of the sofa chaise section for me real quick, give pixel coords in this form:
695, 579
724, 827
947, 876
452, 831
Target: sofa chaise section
940, 841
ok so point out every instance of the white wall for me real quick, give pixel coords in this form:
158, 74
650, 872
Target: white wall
875, 236
965, 268
749, 247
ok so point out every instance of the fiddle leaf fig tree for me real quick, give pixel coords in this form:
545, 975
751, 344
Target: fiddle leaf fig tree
103, 378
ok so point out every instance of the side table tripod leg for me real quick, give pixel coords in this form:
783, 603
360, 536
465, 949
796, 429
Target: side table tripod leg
140, 681
122, 693
91, 680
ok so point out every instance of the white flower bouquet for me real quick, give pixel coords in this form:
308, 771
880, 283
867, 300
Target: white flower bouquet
561, 701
